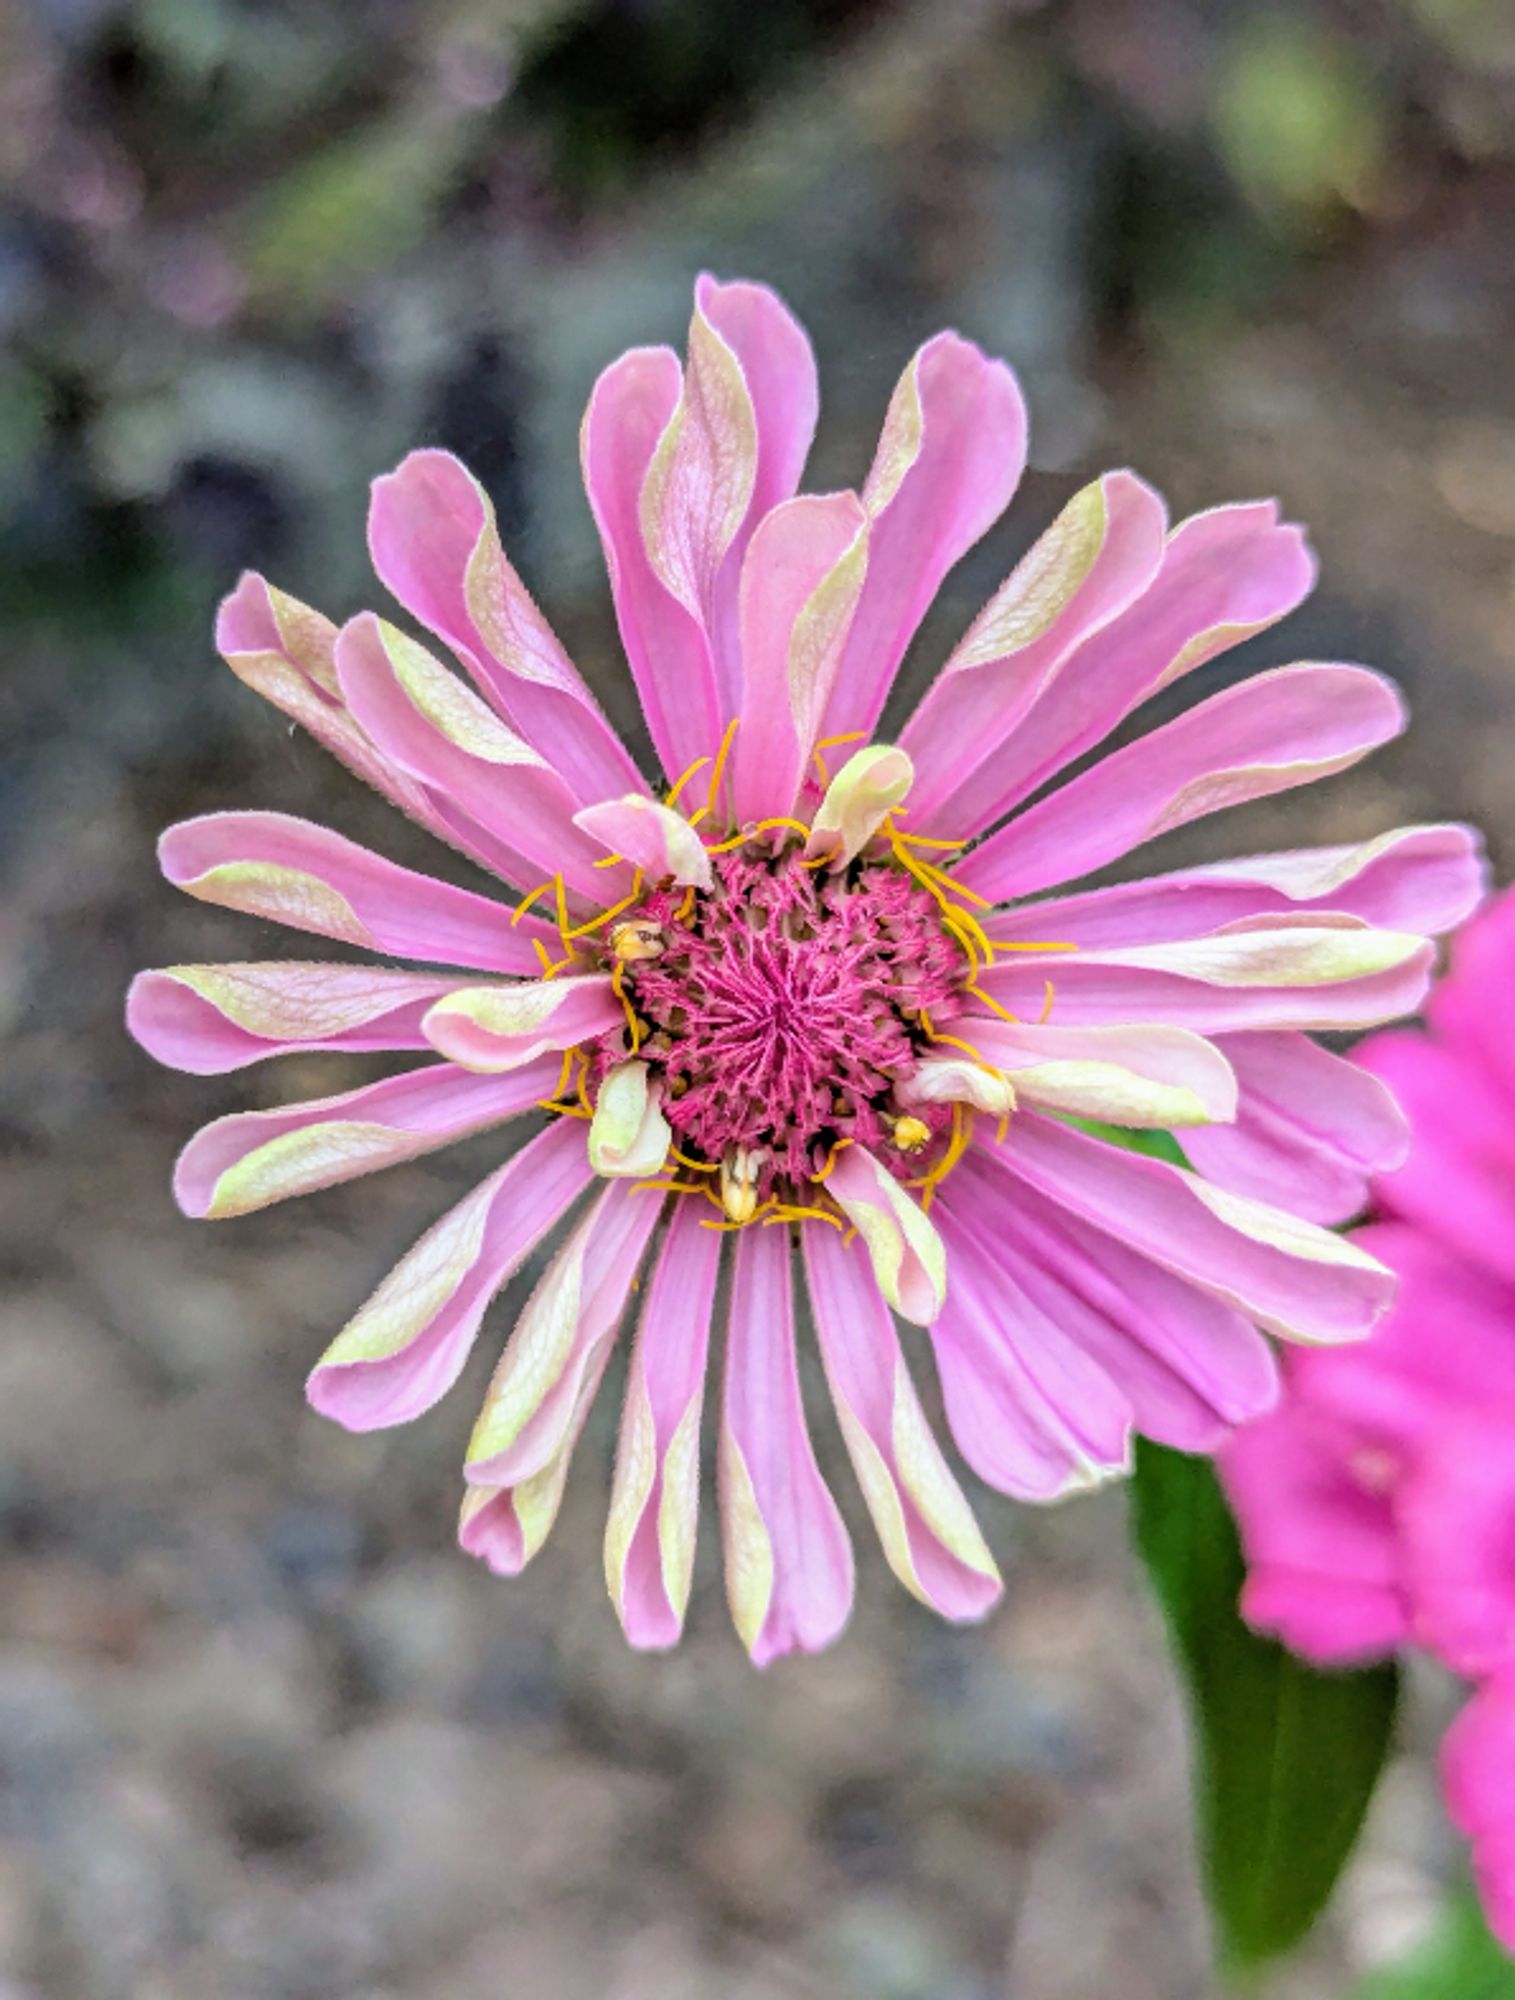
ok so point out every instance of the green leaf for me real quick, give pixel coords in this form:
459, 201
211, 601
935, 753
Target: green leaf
1459, 1961
1285, 1756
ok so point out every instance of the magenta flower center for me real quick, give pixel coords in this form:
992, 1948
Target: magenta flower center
783, 1009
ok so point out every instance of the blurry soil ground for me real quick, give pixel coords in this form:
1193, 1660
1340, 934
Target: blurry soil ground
264, 1734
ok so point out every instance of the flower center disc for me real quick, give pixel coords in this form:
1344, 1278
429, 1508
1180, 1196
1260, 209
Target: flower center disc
782, 1007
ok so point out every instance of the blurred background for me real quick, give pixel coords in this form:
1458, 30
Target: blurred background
264, 1734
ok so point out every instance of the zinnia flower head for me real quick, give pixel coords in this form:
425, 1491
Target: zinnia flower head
1377, 1505
826, 996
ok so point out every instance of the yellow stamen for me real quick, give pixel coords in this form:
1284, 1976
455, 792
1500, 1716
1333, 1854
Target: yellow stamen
665, 1187
609, 861
548, 967
525, 904
925, 1020
685, 909
694, 1166
594, 923
825, 1171
713, 794
755, 832
847, 736
582, 1086
921, 840
849, 1237
633, 1025
1046, 1014
795, 1212
822, 860
993, 1005
1013, 944
565, 1110
911, 1134
698, 765
563, 931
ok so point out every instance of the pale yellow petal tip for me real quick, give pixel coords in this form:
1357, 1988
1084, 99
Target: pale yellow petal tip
749, 1550
872, 783
629, 1137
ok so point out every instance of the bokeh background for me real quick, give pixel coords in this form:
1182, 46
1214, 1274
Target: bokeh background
264, 1734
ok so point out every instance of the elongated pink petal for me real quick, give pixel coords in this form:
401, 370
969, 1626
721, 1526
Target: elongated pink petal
1098, 555
801, 581
1266, 735
561, 1342
948, 460
404, 1349
788, 1559
1310, 1131
294, 872
492, 1028
1225, 575
1317, 971
654, 1505
1322, 1553
211, 1018
1478, 1776
927, 1529
902, 1245
1424, 879
1292, 1277
651, 837
667, 646
433, 726
1468, 1008
778, 365
1456, 1515
253, 1158
1140, 1075
1032, 1413
432, 535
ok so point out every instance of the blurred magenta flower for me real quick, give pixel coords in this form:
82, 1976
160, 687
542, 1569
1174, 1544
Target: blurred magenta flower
770, 996
1377, 1505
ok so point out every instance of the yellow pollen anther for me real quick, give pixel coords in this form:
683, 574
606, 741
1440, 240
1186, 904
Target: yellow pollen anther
635, 939
911, 1134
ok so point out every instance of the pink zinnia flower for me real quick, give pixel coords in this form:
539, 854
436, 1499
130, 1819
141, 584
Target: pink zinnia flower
1377, 1505
768, 995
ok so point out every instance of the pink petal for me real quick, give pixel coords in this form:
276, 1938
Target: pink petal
948, 460
426, 720
654, 1508
899, 1237
788, 1559
1098, 555
1137, 1074
1225, 575
536, 1399
651, 837
929, 1535
1310, 1132
404, 1350
432, 534
211, 1018
1320, 1544
1478, 1777
800, 584
294, 872
1265, 735
666, 646
1032, 1413
1316, 972
1456, 1514
1187, 1367
1293, 1278
492, 1028
1469, 1008
252, 1158
1459, 1177
778, 366
1424, 879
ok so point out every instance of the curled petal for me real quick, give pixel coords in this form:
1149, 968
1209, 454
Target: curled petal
431, 724
956, 1080
666, 646
651, 837
908, 1260
252, 1158
927, 1529
406, 1347
1265, 735
948, 460
800, 584
1293, 1278
294, 872
1311, 1128
654, 1505
432, 534
1422, 879
560, 1343
1316, 972
208, 1019
1224, 576
788, 1559
858, 800
1100, 553
1140, 1076
629, 1137
490, 1028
